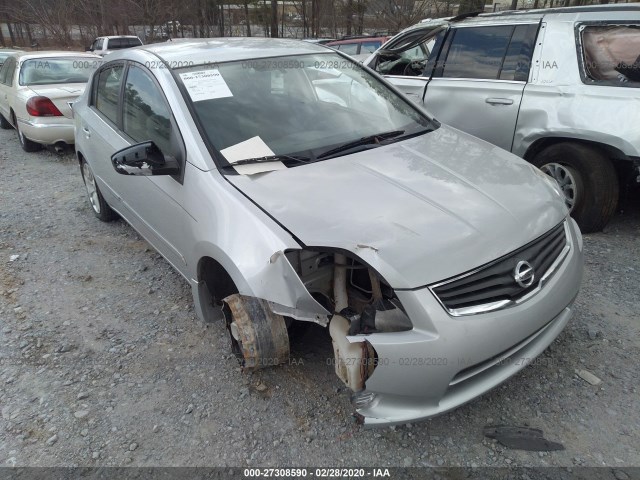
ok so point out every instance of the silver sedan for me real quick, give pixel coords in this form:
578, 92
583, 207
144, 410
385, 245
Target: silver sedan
289, 184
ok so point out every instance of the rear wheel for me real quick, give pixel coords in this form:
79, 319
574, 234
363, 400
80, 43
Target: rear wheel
4, 124
98, 204
587, 179
26, 144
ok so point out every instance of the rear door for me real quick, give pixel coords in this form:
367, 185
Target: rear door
479, 78
99, 129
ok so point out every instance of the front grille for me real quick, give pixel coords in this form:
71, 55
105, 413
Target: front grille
494, 285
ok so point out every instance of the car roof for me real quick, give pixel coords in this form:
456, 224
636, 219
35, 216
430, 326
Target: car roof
189, 51
581, 9
524, 15
51, 54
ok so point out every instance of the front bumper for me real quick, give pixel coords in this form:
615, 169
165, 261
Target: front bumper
447, 361
48, 130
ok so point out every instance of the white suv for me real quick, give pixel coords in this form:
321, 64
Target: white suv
558, 87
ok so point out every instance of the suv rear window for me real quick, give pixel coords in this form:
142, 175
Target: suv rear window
611, 54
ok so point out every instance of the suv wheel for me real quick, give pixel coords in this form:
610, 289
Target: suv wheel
587, 179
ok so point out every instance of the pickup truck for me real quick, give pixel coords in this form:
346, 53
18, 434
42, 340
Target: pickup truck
103, 45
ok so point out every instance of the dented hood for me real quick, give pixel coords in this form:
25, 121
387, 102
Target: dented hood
418, 211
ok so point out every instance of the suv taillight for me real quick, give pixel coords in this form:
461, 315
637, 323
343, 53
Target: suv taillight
42, 107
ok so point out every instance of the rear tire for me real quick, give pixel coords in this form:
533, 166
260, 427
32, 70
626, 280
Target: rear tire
100, 207
4, 124
26, 144
588, 180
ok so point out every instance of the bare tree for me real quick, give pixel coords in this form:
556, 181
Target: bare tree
247, 18
274, 18
52, 15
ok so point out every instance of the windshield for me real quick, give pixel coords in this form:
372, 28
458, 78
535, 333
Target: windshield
305, 106
47, 71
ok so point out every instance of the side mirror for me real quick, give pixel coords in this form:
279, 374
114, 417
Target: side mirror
88, 49
144, 159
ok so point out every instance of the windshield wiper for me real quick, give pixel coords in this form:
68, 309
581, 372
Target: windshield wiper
271, 158
369, 140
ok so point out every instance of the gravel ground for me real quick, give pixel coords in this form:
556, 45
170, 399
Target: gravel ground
103, 361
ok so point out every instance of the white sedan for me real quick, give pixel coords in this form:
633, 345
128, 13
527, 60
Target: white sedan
37, 90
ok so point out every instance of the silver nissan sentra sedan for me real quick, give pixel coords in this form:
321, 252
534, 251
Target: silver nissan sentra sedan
290, 184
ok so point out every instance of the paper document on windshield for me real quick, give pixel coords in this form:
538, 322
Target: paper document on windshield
205, 85
252, 148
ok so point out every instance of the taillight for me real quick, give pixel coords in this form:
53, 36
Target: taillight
42, 107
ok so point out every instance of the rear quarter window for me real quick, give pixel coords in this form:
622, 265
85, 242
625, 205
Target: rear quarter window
610, 54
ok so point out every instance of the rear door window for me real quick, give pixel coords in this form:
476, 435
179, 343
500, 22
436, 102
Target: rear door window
477, 52
7, 71
517, 62
107, 91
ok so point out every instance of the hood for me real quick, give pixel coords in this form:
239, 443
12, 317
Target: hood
60, 95
418, 211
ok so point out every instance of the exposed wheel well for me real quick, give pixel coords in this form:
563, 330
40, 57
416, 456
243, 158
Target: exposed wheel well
215, 284
621, 162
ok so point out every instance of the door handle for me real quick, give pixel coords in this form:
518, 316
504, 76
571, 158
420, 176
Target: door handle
86, 131
499, 101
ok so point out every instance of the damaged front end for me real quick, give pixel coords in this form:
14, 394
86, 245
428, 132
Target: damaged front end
404, 356
357, 303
